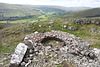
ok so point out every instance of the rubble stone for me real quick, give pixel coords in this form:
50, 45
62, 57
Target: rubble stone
18, 55
72, 28
73, 49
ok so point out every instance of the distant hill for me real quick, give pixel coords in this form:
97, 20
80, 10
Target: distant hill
88, 13
9, 10
22, 10
49, 8
15, 12
12, 12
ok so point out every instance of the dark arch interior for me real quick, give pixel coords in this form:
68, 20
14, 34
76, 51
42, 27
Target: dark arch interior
52, 38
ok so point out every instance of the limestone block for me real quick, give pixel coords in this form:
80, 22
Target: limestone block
18, 55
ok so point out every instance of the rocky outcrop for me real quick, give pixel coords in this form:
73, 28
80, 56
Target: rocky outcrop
86, 21
94, 30
83, 21
73, 49
18, 55
72, 28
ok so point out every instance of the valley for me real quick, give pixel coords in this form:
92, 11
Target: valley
17, 21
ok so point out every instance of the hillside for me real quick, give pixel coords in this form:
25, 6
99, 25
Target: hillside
47, 8
11, 36
58, 7
8, 10
12, 12
87, 31
15, 12
87, 13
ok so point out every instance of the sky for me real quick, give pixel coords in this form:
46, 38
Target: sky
66, 3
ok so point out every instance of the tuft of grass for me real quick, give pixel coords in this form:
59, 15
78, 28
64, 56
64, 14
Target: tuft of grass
8, 48
6, 62
60, 66
96, 45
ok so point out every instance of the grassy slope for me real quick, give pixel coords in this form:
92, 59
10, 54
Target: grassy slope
11, 36
46, 8
93, 12
16, 33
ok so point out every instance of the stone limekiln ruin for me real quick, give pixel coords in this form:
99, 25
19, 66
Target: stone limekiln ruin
34, 53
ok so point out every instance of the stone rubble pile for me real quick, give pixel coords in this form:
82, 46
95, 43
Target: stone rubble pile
83, 21
72, 49
94, 30
72, 28
86, 21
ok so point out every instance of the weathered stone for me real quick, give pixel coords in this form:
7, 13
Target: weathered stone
74, 49
26, 60
85, 22
36, 50
97, 23
36, 32
82, 52
18, 55
49, 26
90, 61
31, 55
31, 51
92, 55
87, 53
72, 28
28, 63
93, 22
40, 25
93, 30
1, 64
48, 47
23, 64
28, 43
97, 51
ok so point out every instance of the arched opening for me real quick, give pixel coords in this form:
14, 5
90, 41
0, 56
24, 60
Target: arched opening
48, 51
48, 39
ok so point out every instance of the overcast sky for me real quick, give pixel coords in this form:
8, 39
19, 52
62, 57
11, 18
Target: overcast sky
67, 3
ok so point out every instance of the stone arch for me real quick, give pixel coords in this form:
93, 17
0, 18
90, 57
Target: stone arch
74, 48
53, 35
75, 44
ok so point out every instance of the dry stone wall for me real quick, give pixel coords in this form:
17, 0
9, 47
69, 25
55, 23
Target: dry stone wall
73, 49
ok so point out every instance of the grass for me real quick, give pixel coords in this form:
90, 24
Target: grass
11, 36
8, 48
82, 32
88, 13
38, 18
60, 66
17, 32
6, 62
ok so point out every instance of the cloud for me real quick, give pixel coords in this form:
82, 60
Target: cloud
68, 3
